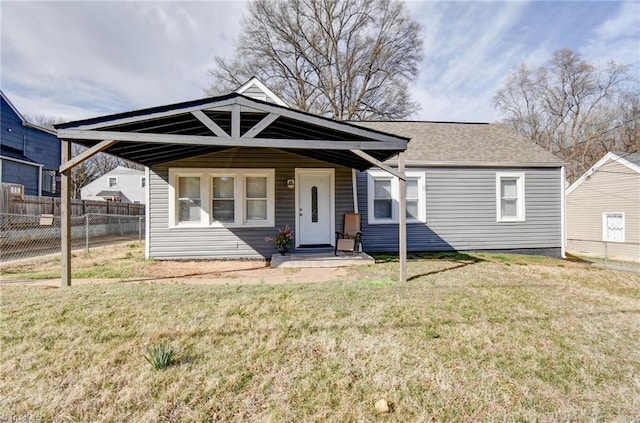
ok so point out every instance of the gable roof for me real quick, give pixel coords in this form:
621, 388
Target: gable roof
630, 160
121, 170
24, 121
176, 131
472, 144
253, 86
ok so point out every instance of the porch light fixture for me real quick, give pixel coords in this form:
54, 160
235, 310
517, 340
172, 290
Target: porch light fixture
291, 184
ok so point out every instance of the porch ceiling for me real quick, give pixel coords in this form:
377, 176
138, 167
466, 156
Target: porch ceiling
178, 131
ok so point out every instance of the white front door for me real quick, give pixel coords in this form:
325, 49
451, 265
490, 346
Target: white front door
314, 201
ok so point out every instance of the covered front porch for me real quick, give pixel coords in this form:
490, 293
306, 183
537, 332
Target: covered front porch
206, 142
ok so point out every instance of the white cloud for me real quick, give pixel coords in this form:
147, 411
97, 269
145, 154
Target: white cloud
93, 58
617, 38
104, 57
465, 52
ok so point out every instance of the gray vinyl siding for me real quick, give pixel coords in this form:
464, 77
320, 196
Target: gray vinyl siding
614, 188
213, 242
460, 210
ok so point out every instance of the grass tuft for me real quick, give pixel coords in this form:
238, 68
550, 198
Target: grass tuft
160, 355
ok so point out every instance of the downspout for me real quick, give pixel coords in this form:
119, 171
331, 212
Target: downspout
40, 180
563, 216
147, 221
354, 181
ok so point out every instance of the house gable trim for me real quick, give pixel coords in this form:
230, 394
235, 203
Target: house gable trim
256, 82
608, 157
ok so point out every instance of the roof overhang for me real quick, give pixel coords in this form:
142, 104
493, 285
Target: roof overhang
168, 133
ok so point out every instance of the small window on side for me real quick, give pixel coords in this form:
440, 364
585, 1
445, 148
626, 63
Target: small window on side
613, 227
510, 202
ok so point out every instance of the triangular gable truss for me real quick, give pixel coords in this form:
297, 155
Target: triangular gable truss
155, 136
257, 84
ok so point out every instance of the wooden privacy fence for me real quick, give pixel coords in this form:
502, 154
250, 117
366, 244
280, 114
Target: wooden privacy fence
35, 206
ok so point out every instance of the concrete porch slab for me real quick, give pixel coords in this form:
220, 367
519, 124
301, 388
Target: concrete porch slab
327, 259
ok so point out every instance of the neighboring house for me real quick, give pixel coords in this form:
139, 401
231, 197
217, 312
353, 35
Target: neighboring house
121, 184
603, 209
29, 154
226, 172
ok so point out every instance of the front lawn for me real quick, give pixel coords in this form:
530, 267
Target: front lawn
468, 338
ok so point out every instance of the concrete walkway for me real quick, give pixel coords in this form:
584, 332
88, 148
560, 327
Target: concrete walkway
327, 259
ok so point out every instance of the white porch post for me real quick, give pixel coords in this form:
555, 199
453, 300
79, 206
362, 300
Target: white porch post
402, 221
65, 215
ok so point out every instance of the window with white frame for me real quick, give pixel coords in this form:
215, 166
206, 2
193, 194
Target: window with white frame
234, 197
143, 181
510, 203
256, 199
189, 199
613, 227
223, 199
384, 197
113, 182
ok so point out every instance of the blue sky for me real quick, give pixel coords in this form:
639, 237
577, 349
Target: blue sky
81, 59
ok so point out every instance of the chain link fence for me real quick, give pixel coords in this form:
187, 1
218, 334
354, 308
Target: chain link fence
23, 236
615, 255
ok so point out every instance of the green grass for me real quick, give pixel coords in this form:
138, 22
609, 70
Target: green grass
112, 262
466, 339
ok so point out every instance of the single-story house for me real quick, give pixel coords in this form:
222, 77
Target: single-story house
122, 184
225, 172
603, 209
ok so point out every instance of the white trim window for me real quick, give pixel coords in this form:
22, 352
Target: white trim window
189, 199
384, 197
228, 197
113, 182
143, 181
613, 227
510, 202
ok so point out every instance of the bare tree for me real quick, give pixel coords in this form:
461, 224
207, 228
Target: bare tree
345, 59
90, 169
573, 108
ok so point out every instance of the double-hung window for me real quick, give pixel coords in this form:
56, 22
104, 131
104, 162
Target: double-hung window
256, 198
510, 205
384, 197
189, 199
223, 199
229, 197
113, 182
613, 227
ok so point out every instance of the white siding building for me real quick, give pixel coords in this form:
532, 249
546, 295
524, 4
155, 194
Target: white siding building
603, 209
121, 184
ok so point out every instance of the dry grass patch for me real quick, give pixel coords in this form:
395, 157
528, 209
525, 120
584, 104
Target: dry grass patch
474, 338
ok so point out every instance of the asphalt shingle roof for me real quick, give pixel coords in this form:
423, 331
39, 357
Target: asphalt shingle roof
465, 143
